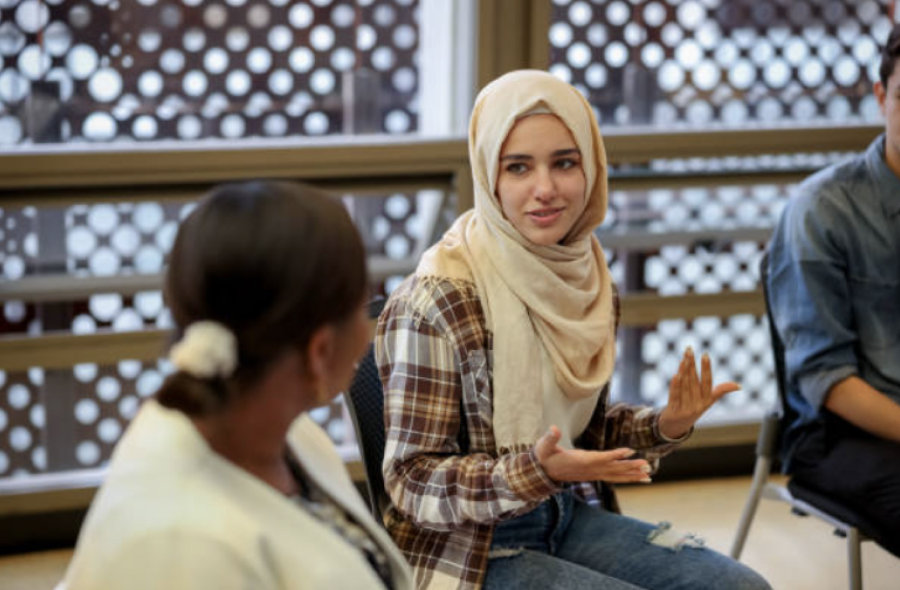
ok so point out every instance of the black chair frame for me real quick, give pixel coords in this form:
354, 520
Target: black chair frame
802, 500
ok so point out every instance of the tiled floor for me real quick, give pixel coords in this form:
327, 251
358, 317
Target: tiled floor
792, 553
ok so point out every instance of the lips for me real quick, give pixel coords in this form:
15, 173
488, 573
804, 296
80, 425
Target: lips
545, 217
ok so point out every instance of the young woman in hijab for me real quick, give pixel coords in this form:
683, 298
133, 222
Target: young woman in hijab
222, 480
496, 357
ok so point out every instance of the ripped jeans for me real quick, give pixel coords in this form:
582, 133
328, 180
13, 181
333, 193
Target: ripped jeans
564, 543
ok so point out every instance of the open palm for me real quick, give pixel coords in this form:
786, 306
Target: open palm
691, 395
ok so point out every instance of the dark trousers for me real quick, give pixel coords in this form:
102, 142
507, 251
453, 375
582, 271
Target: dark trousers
857, 468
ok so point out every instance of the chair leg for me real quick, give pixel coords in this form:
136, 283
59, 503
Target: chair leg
854, 560
760, 475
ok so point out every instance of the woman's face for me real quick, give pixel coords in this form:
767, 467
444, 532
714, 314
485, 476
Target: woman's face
541, 184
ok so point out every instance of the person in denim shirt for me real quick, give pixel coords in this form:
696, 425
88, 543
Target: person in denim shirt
834, 284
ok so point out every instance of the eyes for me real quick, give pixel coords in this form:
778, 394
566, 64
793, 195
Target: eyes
516, 168
567, 163
523, 166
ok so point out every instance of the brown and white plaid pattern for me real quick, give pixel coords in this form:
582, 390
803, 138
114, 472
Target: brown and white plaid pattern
434, 356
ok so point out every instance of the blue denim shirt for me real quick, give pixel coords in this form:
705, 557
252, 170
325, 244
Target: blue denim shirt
834, 284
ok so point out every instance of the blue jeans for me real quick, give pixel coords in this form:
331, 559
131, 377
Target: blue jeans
564, 543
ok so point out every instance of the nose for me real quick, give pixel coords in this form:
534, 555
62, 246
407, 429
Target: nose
544, 187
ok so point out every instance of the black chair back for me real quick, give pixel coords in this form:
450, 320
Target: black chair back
365, 402
787, 415
804, 501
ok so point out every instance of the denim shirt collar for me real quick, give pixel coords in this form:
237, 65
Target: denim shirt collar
883, 176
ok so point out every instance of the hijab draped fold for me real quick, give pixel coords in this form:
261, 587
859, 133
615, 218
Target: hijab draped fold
549, 308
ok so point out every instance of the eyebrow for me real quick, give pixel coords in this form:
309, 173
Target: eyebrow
556, 154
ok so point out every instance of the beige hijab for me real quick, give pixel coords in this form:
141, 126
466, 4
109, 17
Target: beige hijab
549, 308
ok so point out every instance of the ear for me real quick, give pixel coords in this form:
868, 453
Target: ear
319, 353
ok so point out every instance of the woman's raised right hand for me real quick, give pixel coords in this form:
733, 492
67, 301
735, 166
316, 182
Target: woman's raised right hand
580, 465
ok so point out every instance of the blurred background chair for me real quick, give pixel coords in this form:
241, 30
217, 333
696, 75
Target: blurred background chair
365, 402
802, 500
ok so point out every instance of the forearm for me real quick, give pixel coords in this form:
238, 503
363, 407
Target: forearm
443, 492
864, 406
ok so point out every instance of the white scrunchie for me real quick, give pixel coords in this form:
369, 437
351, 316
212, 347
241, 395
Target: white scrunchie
208, 349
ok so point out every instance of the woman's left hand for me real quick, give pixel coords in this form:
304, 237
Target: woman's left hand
690, 396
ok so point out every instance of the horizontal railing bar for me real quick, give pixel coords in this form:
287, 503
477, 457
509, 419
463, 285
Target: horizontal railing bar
44, 288
723, 435
647, 309
212, 162
63, 350
674, 180
356, 187
644, 240
345, 157
47, 288
49, 492
642, 144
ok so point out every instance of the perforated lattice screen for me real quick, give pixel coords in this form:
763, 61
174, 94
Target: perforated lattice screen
106, 70
735, 62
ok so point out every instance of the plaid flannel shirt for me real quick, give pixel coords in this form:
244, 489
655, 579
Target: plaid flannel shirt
434, 357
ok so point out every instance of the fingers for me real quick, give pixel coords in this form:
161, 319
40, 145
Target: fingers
676, 387
689, 391
685, 389
614, 465
548, 444
619, 454
706, 376
628, 471
642, 478
724, 389
580, 465
698, 394
713, 394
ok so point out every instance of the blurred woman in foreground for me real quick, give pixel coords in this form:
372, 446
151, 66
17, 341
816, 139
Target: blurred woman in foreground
222, 480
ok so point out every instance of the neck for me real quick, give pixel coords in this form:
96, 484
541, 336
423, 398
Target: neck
251, 440
892, 157
251, 431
